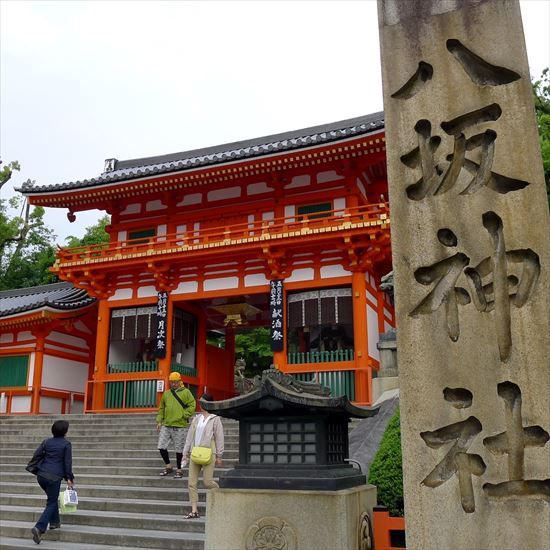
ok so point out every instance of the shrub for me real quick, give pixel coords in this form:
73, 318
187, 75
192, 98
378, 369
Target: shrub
386, 471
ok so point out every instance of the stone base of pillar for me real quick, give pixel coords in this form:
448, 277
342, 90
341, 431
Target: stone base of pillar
324, 520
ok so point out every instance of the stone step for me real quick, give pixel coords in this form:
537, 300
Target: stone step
145, 438
118, 481
170, 492
10, 543
142, 506
100, 431
123, 450
80, 462
7, 470
119, 536
130, 520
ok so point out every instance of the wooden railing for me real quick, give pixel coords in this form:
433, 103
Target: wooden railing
345, 218
389, 531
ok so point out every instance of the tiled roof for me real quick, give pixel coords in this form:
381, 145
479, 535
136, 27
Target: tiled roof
60, 296
120, 170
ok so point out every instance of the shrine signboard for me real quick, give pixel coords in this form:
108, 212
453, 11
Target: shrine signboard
276, 314
470, 241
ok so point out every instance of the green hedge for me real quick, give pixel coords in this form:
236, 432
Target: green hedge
386, 471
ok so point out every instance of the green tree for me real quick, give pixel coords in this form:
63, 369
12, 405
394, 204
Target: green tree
95, 234
386, 471
541, 92
254, 345
26, 251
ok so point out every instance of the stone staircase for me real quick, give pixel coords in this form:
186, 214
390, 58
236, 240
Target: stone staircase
123, 503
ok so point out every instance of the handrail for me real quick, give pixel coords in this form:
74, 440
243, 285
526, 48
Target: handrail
259, 229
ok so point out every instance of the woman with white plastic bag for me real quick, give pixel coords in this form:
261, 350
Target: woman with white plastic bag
203, 450
55, 465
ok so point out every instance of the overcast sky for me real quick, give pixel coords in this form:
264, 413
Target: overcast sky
84, 81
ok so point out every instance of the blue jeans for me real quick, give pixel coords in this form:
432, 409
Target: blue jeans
51, 512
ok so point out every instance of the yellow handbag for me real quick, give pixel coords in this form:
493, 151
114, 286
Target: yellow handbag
201, 455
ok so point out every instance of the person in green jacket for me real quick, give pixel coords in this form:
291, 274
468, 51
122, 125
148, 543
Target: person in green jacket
173, 421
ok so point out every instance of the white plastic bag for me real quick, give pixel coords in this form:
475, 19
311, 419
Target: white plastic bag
68, 501
70, 496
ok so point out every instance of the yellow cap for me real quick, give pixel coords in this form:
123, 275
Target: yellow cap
174, 376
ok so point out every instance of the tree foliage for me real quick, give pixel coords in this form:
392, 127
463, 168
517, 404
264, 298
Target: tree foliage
254, 345
386, 471
26, 250
95, 234
541, 92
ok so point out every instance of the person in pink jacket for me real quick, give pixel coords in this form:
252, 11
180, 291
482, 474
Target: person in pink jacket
206, 430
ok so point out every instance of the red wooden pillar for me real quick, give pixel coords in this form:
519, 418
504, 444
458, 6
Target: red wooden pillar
361, 339
37, 373
101, 355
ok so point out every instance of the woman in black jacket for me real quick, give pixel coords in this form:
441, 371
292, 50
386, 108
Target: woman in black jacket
56, 465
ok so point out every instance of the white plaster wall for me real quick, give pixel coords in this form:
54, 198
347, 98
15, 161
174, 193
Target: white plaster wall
146, 291
268, 215
372, 330
77, 407
221, 284
361, 187
21, 404
122, 235
328, 271
387, 313
301, 275
25, 335
193, 198
371, 297
64, 374
50, 405
256, 279
339, 206
290, 213
161, 232
258, 188
186, 287
387, 326
6, 338
68, 339
121, 294
132, 209
151, 206
299, 181
223, 194
330, 175
3, 402
30, 376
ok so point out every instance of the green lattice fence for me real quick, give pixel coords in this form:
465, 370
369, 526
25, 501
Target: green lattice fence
138, 394
320, 356
340, 382
138, 366
183, 370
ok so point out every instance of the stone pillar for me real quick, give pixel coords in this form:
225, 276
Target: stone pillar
471, 258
